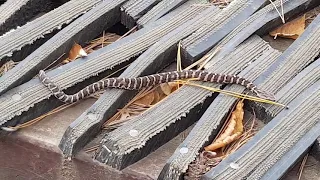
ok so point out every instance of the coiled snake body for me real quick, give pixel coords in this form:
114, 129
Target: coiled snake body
151, 80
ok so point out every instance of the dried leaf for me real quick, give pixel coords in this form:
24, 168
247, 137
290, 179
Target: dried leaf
166, 89
124, 115
156, 97
7, 66
232, 132
174, 86
292, 29
75, 52
146, 100
239, 113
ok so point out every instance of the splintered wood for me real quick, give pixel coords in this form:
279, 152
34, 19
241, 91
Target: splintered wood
144, 100
232, 136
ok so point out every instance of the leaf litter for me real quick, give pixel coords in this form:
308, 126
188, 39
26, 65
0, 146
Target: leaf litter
294, 28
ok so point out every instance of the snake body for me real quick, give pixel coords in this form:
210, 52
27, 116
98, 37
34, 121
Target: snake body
150, 80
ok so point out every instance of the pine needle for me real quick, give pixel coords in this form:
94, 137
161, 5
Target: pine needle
91, 149
7, 66
303, 163
127, 33
204, 60
31, 122
179, 66
209, 58
280, 14
230, 93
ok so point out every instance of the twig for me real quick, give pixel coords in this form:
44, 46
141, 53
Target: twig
210, 57
127, 33
33, 121
179, 67
54, 62
91, 149
280, 14
231, 93
303, 163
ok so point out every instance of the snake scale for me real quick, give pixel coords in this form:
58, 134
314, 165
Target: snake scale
150, 80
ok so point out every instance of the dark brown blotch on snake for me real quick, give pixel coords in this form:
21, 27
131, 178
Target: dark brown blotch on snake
151, 80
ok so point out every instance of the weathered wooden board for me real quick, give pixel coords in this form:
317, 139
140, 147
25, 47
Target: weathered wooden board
82, 30
134, 9
161, 9
171, 116
33, 96
301, 53
293, 60
14, 13
221, 25
256, 159
211, 121
19, 43
261, 21
33, 92
155, 58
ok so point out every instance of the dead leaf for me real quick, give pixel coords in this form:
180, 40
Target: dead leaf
174, 86
124, 115
233, 130
292, 29
146, 100
156, 97
166, 89
75, 52
7, 66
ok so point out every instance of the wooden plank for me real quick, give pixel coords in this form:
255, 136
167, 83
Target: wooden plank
228, 19
261, 21
209, 124
256, 159
301, 53
81, 30
161, 9
77, 74
14, 13
134, 9
211, 121
300, 82
34, 33
82, 130
171, 116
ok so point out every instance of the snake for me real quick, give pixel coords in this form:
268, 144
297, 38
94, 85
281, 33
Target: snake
137, 83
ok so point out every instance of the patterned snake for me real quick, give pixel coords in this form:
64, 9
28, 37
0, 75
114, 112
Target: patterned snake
151, 80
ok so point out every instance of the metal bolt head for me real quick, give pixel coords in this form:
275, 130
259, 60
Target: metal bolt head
234, 166
184, 150
16, 97
92, 116
133, 133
